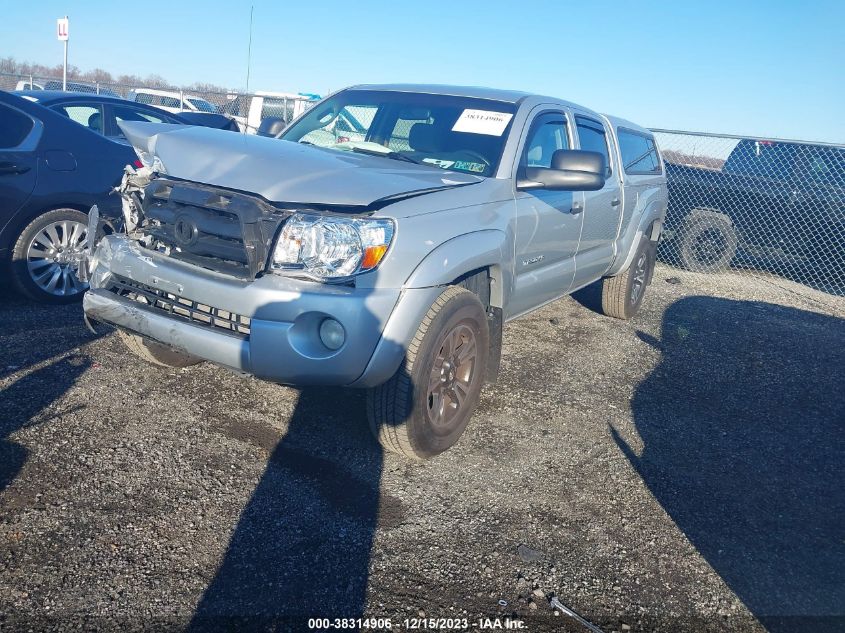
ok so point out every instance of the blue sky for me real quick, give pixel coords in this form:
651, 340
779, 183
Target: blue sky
764, 68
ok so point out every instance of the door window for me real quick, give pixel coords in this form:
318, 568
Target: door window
593, 138
87, 115
548, 134
281, 108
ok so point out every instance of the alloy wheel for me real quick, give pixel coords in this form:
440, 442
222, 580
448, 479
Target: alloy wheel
53, 257
452, 374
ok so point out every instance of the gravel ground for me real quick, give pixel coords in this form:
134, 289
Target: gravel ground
680, 472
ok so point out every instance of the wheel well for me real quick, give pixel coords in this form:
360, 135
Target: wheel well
20, 222
484, 284
708, 211
478, 283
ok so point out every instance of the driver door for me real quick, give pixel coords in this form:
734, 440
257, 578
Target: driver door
548, 223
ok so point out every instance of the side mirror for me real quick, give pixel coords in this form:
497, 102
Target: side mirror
271, 126
571, 170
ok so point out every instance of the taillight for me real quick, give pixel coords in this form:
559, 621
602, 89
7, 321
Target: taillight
137, 163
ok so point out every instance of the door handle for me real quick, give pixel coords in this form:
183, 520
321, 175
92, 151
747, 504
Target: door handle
12, 168
614, 202
576, 208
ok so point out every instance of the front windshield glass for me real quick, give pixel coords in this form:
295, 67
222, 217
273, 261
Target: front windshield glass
456, 133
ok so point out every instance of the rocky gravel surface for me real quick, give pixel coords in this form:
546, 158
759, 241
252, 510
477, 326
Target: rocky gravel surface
679, 472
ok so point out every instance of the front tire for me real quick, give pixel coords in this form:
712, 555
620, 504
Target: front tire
425, 407
154, 352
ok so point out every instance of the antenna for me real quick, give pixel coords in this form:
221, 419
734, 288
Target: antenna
249, 48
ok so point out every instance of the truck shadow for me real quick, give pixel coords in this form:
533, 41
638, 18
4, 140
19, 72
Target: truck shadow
743, 429
27, 339
301, 548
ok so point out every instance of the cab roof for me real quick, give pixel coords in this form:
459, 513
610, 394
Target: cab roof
478, 92
515, 97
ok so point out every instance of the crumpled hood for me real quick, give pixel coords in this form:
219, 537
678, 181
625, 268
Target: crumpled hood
283, 171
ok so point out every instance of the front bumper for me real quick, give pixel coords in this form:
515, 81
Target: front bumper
281, 342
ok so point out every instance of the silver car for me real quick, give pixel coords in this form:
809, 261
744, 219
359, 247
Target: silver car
387, 260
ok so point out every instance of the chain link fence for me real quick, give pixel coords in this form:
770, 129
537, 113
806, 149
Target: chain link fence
247, 109
769, 206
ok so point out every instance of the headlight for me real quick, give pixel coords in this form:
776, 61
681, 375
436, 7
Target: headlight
329, 247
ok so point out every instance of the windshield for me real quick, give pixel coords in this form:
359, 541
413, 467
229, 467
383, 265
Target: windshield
201, 104
456, 133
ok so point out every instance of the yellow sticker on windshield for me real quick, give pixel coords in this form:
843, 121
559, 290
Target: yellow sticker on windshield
482, 122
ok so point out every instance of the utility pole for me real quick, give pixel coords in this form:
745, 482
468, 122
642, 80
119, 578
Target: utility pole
249, 48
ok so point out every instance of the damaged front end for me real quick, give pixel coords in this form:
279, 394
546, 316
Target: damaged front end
218, 230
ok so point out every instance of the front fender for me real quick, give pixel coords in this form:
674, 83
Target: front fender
488, 248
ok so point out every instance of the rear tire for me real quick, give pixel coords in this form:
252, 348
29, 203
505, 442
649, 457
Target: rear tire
708, 242
622, 295
425, 407
154, 352
44, 257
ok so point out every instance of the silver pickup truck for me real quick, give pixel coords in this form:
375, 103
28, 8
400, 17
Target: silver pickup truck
386, 252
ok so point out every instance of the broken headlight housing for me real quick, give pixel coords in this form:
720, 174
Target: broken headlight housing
330, 247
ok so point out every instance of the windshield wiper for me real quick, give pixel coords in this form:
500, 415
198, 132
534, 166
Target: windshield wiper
391, 154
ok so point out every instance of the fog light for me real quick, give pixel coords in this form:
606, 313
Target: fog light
332, 334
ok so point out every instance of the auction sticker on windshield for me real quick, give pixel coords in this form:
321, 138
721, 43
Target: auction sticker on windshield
482, 122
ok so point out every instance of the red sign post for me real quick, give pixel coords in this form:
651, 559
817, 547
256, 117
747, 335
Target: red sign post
62, 34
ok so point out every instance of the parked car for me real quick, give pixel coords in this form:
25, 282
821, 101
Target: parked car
72, 86
108, 111
768, 195
171, 101
389, 263
61, 152
250, 110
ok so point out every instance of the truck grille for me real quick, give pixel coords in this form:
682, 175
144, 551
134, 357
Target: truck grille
180, 307
217, 229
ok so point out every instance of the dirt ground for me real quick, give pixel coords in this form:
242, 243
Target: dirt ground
679, 472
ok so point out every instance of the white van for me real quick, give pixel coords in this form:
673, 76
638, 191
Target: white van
250, 110
170, 100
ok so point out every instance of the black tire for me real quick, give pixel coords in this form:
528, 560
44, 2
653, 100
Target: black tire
622, 295
154, 352
37, 266
405, 415
708, 242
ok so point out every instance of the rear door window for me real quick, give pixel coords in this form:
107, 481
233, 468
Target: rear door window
639, 153
14, 127
593, 138
88, 115
279, 107
201, 104
167, 102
